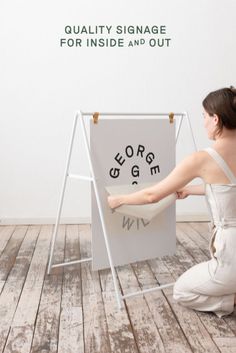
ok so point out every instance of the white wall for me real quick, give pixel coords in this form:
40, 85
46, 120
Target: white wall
42, 85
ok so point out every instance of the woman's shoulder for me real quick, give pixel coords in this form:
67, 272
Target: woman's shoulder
198, 156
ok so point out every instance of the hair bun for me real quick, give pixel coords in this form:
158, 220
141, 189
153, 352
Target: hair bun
233, 89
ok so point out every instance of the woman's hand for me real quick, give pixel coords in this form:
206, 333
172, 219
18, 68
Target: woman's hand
113, 201
182, 193
191, 190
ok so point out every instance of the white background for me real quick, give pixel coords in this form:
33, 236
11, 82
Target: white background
42, 85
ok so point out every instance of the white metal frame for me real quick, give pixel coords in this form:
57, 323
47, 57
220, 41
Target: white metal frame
79, 115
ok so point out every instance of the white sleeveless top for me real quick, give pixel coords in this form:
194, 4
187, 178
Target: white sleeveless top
221, 198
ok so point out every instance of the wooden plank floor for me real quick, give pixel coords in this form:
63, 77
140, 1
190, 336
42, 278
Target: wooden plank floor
74, 309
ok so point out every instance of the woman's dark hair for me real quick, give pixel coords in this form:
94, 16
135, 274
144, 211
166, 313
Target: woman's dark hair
222, 103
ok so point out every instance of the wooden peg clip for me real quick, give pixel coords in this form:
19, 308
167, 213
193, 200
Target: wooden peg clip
95, 117
171, 117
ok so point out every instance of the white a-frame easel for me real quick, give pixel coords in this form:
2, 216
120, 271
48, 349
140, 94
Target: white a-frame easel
80, 117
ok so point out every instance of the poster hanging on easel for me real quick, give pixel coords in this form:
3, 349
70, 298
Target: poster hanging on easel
131, 151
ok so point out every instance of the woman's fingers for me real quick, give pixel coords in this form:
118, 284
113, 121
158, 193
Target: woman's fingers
182, 194
112, 201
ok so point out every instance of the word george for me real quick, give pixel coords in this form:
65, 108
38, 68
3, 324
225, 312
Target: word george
129, 152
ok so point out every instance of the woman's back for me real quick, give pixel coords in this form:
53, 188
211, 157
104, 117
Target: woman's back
221, 195
213, 166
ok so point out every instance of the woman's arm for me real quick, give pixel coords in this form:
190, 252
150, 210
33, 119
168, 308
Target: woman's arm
181, 175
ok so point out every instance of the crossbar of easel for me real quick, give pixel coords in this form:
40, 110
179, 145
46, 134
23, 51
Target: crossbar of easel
133, 114
72, 262
148, 290
92, 178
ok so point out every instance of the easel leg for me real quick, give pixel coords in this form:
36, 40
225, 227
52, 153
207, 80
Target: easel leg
191, 130
178, 129
117, 291
62, 194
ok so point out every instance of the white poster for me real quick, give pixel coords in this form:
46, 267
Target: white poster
131, 151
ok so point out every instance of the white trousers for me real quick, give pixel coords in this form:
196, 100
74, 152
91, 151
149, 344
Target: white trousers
211, 285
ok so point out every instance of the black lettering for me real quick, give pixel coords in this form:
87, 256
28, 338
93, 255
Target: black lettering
131, 150
135, 171
153, 169
150, 157
141, 149
118, 158
114, 172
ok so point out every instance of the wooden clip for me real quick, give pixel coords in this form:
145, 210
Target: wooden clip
95, 117
171, 117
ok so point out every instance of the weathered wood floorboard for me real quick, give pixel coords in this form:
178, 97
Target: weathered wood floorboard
74, 309
47, 324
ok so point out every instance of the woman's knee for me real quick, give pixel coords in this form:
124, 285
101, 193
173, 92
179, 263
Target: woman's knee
190, 279
181, 285
181, 292
177, 291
